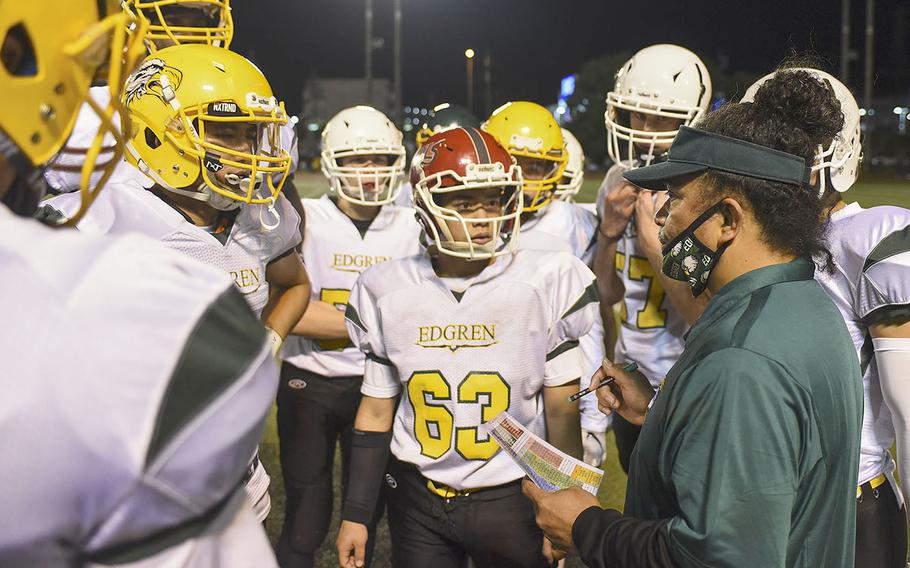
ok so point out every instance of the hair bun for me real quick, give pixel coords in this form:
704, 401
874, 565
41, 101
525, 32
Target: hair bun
797, 98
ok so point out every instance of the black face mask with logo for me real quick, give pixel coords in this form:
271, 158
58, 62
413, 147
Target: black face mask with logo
689, 260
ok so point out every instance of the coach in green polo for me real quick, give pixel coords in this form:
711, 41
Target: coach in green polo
748, 453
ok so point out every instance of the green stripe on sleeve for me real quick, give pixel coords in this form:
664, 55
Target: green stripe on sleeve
589, 296
896, 243
141, 549
225, 342
562, 348
378, 359
352, 316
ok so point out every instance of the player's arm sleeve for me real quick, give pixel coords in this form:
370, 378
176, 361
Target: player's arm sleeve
892, 356
574, 305
363, 322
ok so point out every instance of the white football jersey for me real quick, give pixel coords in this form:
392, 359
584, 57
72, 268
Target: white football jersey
335, 253
244, 254
129, 429
871, 249
651, 330
565, 226
461, 358
405, 197
562, 222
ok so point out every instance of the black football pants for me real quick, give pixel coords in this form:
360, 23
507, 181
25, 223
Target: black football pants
881, 528
314, 414
494, 527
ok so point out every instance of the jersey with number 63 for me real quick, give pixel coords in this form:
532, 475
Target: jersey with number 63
651, 332
335, 253
460, 359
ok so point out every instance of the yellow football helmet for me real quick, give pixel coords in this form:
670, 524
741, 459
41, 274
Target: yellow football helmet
47, 71
531, 135
178, 22
178, 98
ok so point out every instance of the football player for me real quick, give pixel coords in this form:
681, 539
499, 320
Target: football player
168, 22
871, 288
531, 135
574, 175
462, 332
659, 89
128, 444
205, 132
441, 117
354, 227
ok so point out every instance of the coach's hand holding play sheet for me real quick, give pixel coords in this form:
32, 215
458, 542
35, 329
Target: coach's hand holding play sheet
557, 507
548, 467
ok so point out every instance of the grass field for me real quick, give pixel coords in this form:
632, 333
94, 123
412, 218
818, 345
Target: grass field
612, 491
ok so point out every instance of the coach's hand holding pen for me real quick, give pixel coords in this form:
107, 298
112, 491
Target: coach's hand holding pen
627, 394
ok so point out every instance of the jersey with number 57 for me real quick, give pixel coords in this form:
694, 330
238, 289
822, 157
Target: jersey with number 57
459, 359
652, 330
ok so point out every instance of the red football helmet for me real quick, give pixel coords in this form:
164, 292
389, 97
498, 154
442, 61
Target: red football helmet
459, 160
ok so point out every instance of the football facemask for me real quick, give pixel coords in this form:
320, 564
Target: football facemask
185, 102
363, 156
53, 67
178, 22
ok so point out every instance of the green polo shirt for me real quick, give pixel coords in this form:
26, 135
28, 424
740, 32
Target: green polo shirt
751, 446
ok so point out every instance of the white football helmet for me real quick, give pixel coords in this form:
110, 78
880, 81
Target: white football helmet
574, 174
843, 156
363, 131
663, 80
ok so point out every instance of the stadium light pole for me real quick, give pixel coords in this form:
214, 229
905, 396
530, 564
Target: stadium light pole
469, 58
368, 46
845, 42
870, 37
396, 113
487, 91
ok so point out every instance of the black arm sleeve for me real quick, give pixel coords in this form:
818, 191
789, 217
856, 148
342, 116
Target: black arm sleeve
605, 538
369, 457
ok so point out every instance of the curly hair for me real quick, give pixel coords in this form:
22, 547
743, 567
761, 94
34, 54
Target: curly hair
795, 113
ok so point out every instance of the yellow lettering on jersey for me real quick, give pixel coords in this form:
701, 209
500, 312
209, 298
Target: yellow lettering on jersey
651, 316
427, 389
338, 297
247, 280
467, 440
456, 336
429, 416
356, 262
620, 262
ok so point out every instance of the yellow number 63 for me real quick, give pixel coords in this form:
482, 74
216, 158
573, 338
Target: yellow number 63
428, 390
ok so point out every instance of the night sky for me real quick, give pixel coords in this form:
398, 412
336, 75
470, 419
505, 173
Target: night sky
534, 43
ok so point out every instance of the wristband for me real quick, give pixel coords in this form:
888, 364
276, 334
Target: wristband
369, 457
275, 341
601, 232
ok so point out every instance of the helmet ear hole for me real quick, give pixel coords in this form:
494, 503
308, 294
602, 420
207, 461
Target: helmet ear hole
18, 53
151, 140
